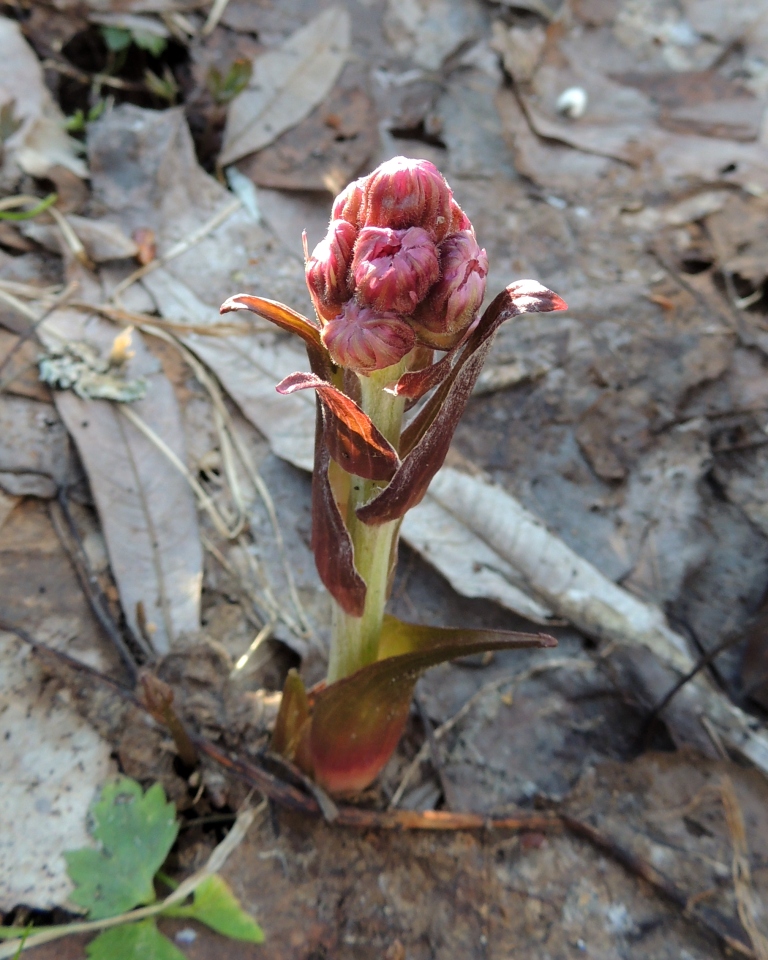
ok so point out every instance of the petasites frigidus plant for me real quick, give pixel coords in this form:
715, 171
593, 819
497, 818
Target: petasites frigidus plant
398, 276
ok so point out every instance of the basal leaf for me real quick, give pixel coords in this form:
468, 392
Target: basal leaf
352, 439
133, 941
136, 830
331, 543
425, 442
216, 906
357, 721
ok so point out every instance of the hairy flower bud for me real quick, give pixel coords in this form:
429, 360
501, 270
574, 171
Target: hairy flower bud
347, 205
365, 340
327, 270
455, 299
394, 269
407, 193
459, 220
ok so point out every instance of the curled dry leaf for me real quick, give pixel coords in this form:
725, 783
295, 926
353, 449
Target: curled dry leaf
287, 84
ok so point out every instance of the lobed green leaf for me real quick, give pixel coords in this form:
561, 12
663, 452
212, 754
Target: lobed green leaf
133, 941
216, 906
136, 831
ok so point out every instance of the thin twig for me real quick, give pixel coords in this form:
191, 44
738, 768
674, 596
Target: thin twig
90, 79
217, 11
677, 686
61, 516
204, 500
29, 314
177, 249
742, 874
434, 753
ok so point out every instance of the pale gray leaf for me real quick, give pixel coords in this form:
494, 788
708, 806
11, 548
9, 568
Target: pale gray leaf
145, 506
287, 84
41, 141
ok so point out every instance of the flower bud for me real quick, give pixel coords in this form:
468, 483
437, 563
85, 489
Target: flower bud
327, 270
407, 193
455, 299
459, 220
365, 340
347, 205
394, 269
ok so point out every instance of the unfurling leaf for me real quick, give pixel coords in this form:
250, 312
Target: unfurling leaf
357, 721
353, 441
426, 440
136, 830
215, 905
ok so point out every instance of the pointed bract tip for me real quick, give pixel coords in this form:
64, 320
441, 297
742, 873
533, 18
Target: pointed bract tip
233, 303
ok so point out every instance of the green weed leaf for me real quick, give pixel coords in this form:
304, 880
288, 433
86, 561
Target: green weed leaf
133, 941
151, 42
116, 38
136, 830
217, 907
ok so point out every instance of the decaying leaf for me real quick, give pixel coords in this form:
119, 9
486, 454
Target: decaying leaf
323, 152
35, 456
103, 241
41, 141
287, 84
429, 31
146, 508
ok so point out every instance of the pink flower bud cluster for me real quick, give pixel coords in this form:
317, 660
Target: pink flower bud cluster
399, 266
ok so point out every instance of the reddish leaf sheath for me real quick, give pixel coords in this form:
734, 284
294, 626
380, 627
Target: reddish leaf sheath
353, 441
357, 722
426, 440
331, 543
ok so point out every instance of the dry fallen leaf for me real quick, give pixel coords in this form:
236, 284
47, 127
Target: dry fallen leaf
287, 84
103, 241
146, 508
35, 457
41, 142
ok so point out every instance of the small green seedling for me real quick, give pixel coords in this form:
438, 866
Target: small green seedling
224, 87
136, 831
118, 39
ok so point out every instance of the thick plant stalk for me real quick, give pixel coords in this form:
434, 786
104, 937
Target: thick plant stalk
355, 640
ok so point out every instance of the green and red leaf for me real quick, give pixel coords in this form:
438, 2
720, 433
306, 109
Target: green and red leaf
331, 542
353, 440
425, 442
357, 721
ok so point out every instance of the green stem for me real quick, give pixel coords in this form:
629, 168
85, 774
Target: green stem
355, 640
